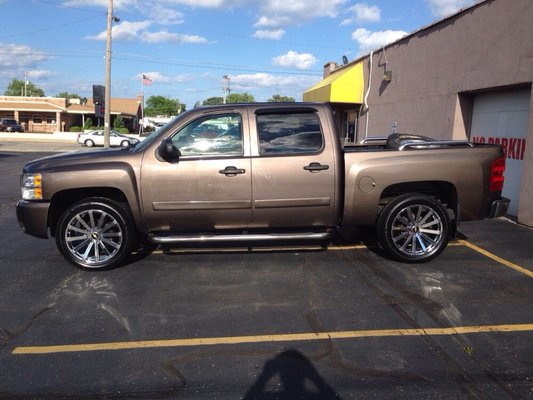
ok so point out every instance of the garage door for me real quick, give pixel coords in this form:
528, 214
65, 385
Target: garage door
502, 117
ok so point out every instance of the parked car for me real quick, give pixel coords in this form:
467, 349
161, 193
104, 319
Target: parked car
96, 138
10, 125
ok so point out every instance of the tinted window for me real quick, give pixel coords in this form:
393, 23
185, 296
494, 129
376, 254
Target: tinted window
289, 133
211, 136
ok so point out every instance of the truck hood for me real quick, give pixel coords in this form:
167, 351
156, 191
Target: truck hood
75, 158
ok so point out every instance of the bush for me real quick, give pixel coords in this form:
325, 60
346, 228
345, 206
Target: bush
74, 129
122, 130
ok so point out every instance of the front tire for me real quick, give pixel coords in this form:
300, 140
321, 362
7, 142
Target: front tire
95, 233
413, 228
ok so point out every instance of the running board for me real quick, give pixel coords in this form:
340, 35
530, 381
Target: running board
242, 238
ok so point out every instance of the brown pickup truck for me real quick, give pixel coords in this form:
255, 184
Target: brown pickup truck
254, 173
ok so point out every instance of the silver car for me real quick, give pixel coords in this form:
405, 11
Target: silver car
96, 138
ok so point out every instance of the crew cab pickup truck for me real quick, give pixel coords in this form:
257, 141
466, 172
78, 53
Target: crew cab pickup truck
254, 173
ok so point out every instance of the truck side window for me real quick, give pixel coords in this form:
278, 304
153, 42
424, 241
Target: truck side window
212, 135
289, 133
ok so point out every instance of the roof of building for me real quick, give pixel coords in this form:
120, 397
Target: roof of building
51, 104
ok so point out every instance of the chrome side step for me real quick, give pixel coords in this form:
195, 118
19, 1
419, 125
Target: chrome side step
242, 238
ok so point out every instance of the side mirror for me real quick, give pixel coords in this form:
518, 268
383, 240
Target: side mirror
167, 151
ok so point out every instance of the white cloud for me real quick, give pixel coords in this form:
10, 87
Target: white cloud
40, 74
158, 77
442, 8
19, 56
280, 83
280, 13
164, 36
363, 13
368, 40
165, 15
276, 34
124, 31
295, 60
130, 31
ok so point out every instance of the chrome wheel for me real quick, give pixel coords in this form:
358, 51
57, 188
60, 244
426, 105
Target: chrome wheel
417, 230
413, 228
93, 237
96, 233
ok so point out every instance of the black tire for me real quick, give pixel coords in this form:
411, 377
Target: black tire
89, 143
413, 228
125, 143
95, 233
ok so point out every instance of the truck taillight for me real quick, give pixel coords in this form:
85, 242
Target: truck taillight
496, 175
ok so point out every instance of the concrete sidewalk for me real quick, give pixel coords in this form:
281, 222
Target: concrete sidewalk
65, 137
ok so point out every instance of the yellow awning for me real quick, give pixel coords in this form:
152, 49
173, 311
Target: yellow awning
345, 86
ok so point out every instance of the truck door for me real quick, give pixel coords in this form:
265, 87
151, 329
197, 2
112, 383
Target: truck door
209, 187
293, 173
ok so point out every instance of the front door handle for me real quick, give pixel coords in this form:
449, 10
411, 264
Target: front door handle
232, 171
316, 166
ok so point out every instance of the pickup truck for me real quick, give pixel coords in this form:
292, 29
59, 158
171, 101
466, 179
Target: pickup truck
251, 173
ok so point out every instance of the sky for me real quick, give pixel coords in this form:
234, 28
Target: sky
186, 47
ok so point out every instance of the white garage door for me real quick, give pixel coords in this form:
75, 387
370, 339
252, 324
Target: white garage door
501, 117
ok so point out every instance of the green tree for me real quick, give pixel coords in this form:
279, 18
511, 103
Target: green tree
118, 122
240, 98
213, 101
16, 88
160, 105
281, 99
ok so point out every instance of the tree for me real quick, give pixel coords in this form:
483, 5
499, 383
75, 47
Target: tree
281, 99
16, 88
67, 95
118, 122
160, 105
240, 98
212, 101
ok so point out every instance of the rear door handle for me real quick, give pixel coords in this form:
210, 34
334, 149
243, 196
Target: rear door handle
232, 171
315, 167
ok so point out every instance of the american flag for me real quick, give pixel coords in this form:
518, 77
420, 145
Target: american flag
146, 81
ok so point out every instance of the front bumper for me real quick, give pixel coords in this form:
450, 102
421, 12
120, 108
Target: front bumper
33, 217
499, 207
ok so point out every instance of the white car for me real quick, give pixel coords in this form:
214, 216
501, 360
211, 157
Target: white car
96, 138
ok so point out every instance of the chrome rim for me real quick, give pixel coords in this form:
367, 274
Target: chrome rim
417, 230
93, 237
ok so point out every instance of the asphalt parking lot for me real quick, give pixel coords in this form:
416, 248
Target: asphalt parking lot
266, 323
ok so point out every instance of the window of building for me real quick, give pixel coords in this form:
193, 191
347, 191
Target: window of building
50, 119
37, 119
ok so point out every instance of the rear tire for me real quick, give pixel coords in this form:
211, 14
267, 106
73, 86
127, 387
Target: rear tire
89, 143
95, 233
413, 228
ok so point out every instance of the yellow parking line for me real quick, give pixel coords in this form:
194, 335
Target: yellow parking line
500, 260
290, 337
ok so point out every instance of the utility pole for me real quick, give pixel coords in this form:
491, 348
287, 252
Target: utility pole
107, 111
226, 88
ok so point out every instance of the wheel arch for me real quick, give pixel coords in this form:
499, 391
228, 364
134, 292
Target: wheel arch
443, 191
62, 200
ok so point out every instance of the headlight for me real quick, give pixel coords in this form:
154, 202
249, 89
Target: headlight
32, 186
